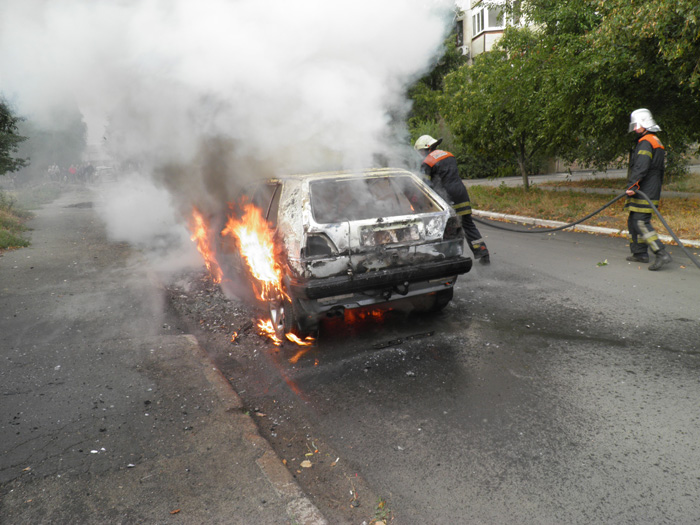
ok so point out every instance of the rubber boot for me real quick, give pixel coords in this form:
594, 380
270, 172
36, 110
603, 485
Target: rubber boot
638, 257
482, 254
662, 258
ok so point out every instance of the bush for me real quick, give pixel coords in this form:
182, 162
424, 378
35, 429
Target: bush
11, 223
10, 240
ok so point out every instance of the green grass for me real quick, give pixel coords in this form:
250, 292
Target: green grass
12, 223
567, 206
14, 212
10, 241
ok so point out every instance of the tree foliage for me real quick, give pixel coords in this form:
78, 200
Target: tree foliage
495, 106
425, 92
565, 85
669, 28
614, 56
9, 140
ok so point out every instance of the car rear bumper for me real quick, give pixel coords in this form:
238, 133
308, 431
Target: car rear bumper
379, 279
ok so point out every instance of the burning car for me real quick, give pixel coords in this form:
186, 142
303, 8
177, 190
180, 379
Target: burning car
345, 240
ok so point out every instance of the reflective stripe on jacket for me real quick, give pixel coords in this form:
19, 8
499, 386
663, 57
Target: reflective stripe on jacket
441, 167
436, 156
646, 172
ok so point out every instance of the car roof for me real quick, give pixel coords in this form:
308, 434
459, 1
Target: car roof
370, 172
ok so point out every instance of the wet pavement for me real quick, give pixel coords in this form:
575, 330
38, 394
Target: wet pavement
559, 386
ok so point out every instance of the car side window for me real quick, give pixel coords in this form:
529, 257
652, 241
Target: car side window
274, 206
266, 198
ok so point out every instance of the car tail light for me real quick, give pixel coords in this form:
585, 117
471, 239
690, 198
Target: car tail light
453, 229
319, 245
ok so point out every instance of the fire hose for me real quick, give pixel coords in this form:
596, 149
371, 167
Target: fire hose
596, 212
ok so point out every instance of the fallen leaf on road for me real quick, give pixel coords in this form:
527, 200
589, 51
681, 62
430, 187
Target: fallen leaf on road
306, 463
174, 511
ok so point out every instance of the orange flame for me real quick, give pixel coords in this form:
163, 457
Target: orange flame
266, 329
295, 358
308, 341
255, 240
256, 243
200, 234
360, 314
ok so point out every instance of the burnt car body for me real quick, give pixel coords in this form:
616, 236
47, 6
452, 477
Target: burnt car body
356, 239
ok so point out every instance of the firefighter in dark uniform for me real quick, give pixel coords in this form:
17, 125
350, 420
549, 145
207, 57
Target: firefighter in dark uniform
441, 168
646, 173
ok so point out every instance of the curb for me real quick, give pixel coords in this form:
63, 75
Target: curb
588, 229
299, 508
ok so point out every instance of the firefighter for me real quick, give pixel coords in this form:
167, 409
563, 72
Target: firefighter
646, 173
441, 168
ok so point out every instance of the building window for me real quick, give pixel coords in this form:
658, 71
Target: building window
478, 21
487, 19
496, 18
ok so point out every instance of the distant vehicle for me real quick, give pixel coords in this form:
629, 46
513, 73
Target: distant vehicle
357, 239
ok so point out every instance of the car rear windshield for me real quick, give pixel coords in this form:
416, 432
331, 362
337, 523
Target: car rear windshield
338, 200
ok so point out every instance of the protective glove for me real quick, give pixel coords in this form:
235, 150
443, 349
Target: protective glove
632, 189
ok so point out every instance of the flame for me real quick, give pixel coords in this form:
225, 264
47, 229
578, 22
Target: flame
308, 341
200, 234
295, 358
255, 240
267, 329
360, 314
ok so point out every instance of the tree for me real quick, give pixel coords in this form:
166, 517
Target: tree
424, 117
9, 141
670, 27
497, 105
566, 87
426, 91
614, 56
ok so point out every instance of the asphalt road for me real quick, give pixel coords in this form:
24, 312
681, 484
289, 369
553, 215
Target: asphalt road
560, 386
555, 388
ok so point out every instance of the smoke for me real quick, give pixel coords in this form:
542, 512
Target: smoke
199, 98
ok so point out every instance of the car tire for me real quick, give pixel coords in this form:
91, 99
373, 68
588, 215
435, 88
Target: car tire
296, 322
278, 315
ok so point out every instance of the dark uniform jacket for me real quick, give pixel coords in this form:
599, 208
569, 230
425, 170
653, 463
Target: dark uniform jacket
646, 173
441, 167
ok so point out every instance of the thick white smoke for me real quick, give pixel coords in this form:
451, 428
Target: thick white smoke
203, 95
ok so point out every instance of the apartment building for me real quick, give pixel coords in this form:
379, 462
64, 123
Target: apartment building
481, 25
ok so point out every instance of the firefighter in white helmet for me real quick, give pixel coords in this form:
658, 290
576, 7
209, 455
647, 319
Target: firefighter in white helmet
441, 168
646, 173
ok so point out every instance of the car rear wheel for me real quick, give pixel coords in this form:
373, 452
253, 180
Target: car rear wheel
278, 316
287, 318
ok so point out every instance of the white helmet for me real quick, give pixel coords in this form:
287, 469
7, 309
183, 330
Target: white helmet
425, 142
643, 118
